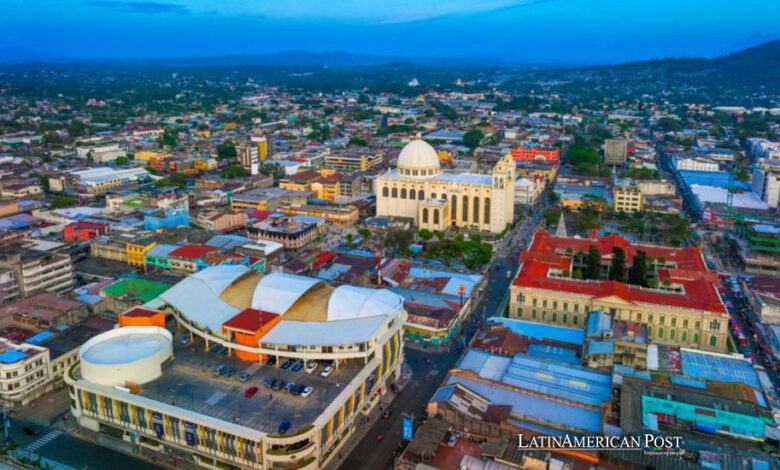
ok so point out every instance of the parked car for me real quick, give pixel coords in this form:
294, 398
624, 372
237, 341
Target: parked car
297, 366
228, 372
278, 384
250, 392
218, 370
288, 388
287, 365
307, 391
244, 377
268, 382
185, 339
326, 371
394, 388
215, 348
271, 361
284, 426
387, 413
31, 431
224, 351
311, 366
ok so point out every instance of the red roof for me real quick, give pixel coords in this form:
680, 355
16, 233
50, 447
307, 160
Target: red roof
249, 319
140, 312
699, 285
192, 251
84, 225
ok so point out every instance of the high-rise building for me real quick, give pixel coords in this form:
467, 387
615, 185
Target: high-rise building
262, 146
248, 158
615, 151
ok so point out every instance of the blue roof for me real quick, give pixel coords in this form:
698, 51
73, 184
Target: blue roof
598, 323
686, 382
601, 347
719, 368
541, 331
629, 371
39, 337
555, 353
11, 356
719, 179
443, 394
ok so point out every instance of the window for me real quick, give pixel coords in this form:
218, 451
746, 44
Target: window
403, 193
544, 303
420, 194
519, 311
436, 216
713, 340
565, 306
425, 215
715, 325
685, 323
454, 207
533, 302
394, 192
555, 317
412, 194
649, 319
533, 314
487, 210
465, 213
576, 308
674, 322
555, 304
684, 336
565, 319
639, 317
476, 210
649, 331
660, 332
575, 320
671, 334
696, 338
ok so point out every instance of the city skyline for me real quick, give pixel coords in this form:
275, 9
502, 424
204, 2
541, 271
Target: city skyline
538, 31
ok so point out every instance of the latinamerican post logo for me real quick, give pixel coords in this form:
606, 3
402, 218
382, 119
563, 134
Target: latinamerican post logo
648, 443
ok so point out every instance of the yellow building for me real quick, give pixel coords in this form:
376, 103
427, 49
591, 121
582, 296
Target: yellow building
147, 156
627, 199
136, 253
473, 201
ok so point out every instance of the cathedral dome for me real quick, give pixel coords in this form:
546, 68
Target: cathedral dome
418, 158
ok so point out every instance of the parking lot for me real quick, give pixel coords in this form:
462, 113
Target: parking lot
189, 382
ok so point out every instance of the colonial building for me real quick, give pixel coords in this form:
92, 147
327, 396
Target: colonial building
683, 309
419, 190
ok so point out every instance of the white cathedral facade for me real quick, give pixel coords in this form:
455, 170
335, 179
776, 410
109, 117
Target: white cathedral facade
436, 200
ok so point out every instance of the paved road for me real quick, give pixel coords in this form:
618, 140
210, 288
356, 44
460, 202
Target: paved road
74, 452
429, 370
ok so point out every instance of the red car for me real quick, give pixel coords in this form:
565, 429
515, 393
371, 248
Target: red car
250, 392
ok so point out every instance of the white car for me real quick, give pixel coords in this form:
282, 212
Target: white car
326, 371
311, 366
307, 391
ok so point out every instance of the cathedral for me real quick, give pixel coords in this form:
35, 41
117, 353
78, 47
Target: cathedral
436, 200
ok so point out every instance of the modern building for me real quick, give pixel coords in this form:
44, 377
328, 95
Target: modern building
352, 160
37, 271
419, 190
684, 309
766, 184
141, 385
268, 198
626, 197
615, 151
220, 221
83, 231
248, 158
528, 153
759, 249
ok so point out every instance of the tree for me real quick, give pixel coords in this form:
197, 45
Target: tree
121, 161
425, 234
76, 128
234, 171
364, 232
473, 138
60, 200
592, 263
168, 138
348, 238
398, 240
359, 141
617, 270
637, 273
226, 151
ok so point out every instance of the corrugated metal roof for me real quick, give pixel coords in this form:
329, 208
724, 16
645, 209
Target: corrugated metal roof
277, 292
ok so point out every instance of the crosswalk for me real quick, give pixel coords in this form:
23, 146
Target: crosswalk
215, 398
37, 444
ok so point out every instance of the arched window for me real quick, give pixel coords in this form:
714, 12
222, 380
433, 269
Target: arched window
421, 194
565, 319
465, 213
660, 333
425, 215
476, 210
394, 192
713, 340
520, 312
696, 338
671, 334
555, 317
454, 208
412, 194
443, 197
487, 210
684, 336
385, 192
575, 320
433, 195
436, 217
403, 193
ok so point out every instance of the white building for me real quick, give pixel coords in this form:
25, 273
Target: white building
436, 200
695, 164
527, 191
766, 183
102, 153
352, 337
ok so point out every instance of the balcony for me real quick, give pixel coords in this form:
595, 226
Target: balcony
284, 455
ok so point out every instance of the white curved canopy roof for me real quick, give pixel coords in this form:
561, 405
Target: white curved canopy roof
418, 154
350, 302
218, 278
277, 292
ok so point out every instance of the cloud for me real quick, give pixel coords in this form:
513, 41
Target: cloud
142, 7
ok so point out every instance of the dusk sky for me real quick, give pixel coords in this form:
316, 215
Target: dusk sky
550, 31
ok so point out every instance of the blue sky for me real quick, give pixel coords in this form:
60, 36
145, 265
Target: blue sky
550, 31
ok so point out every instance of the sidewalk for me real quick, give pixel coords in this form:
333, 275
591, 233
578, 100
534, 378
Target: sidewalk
362, 426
